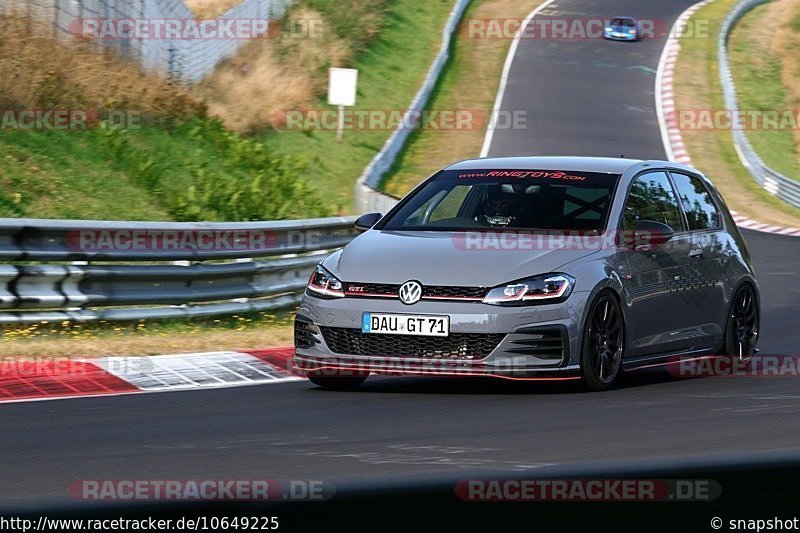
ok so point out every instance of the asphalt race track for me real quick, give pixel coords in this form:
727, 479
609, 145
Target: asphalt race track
587, 99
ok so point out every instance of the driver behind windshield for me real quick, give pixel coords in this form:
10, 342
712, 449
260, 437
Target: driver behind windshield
499, 208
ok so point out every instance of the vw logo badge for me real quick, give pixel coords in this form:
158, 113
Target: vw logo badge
410, 292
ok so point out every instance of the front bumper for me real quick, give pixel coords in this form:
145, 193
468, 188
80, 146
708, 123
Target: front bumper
620, 36
345, 366
516, 356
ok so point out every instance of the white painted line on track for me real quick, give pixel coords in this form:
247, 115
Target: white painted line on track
512, 52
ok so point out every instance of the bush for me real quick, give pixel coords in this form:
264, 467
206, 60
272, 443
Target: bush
356, 21
248, 183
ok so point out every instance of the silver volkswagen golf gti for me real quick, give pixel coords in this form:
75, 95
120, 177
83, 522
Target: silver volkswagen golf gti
534, 268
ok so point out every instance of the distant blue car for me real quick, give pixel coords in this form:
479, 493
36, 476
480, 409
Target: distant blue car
623, 29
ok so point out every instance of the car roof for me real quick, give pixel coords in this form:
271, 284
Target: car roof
610, 165
623, 18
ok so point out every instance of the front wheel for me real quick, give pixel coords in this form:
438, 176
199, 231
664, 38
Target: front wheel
741, 331
337, 382
603, 341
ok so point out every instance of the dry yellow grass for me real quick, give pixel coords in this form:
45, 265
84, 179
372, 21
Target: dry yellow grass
470, 84
208, 9
250, 90
39, 72
148, 344
697, 86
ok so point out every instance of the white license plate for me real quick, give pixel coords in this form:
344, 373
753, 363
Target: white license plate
428, 325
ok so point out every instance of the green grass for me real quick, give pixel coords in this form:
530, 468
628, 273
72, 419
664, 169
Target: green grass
759, 86
191, 172
64, 175
697, 86
468, 83
199, 171
391, 71
412, 164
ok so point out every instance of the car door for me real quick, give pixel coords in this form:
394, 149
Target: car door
657, 316
705, 274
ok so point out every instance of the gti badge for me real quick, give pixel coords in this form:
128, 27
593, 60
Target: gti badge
410, 292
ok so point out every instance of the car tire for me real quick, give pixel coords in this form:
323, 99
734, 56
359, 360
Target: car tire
603, 343
741, 328
337, 382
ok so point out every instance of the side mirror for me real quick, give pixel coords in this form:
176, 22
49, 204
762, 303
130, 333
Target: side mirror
651, 233
365, 222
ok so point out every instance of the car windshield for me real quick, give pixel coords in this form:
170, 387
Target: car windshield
456, 200
625, 23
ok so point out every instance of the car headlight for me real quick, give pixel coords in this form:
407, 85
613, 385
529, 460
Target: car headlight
609, 30
546, 289
323, 284
631, 31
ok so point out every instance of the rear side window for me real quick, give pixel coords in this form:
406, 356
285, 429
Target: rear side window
652, 198
701, 213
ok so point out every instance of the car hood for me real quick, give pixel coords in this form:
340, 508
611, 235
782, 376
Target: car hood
443, 258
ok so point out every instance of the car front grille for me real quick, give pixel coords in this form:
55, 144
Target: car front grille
444, 291
348, 341
430, 292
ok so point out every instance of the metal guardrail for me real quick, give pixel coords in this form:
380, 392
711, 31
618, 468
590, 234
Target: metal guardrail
368, 198
772, 181
119, 271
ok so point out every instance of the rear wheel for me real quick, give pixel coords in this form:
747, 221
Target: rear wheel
337, 382
741, 332
604, 336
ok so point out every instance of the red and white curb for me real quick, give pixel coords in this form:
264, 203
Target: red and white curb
668, 116
749, 223
26, 380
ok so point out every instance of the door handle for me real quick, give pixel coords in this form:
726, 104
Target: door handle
697, 253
